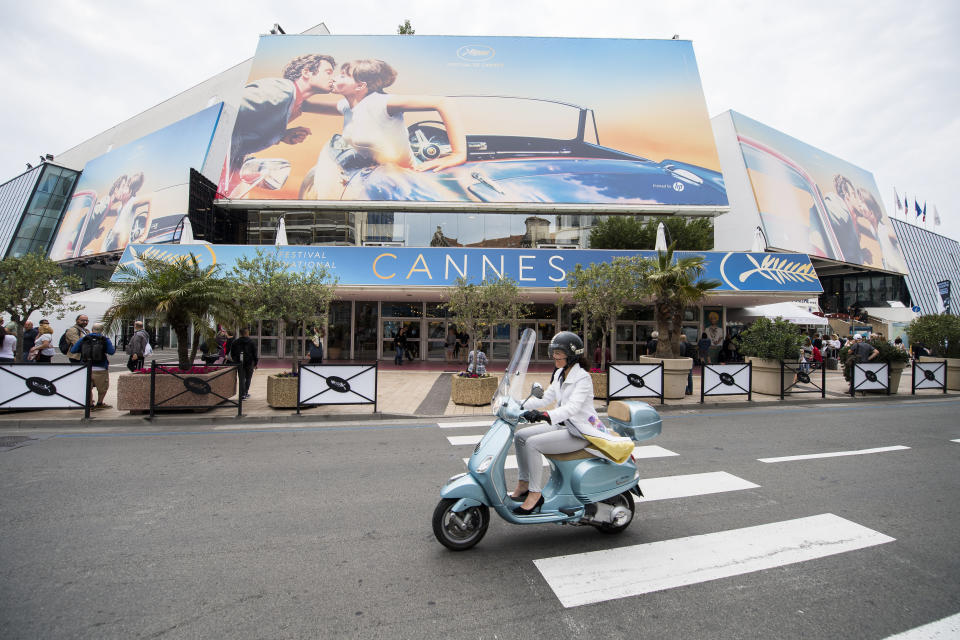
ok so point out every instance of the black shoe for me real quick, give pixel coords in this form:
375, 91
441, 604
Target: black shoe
519, 498
520, 511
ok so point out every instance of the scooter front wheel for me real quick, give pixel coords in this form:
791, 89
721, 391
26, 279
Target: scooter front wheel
459, 530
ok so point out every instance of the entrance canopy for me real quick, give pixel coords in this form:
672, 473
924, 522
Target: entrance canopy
786, 310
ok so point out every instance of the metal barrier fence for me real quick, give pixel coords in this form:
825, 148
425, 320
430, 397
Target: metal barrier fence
196, 386
934, 376
727, 380
345, 384
803, 374
45, 385
635, 381
870, 376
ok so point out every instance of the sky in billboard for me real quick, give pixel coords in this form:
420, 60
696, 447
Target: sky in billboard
476, 119
137, 192
815, 203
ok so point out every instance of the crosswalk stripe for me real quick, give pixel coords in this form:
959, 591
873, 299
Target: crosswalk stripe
696, 484
466, 423
509, 463
948, 627
597, 576
459, 440
955, 441
652, 451
834, 454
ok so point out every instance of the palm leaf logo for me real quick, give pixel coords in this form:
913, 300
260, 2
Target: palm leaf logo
780, 270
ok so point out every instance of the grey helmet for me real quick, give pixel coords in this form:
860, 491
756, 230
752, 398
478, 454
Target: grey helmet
567, 342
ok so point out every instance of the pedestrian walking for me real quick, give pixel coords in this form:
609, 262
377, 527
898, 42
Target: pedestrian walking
399, 345
652, 343
137, 347
93, 348
703, 348
244, 353
43, 350
463, 345
316, 346
8, 345
29, 338
72, 336
687, 350
450, 344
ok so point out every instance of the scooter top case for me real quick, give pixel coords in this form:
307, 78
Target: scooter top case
634, 419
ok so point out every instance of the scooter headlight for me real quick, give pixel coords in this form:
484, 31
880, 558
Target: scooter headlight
484, 464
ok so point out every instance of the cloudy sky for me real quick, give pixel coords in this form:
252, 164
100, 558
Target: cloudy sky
874, 82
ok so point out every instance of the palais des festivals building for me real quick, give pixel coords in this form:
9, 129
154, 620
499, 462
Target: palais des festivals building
402, 163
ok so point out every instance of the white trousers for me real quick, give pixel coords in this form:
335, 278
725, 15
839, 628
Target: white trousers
532, 441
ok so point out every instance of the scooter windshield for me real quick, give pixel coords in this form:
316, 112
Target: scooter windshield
512, 385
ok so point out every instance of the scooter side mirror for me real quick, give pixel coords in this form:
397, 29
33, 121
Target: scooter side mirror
536, 390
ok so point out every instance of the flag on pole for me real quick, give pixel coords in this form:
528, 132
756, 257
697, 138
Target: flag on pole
917, 208
924, 211
896, 198
936, 216
906, 205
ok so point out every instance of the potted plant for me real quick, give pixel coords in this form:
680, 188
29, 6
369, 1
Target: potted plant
477, 308
941, 335
601, 292
767, 343
190, 298
895, 359
282, 390
675, 284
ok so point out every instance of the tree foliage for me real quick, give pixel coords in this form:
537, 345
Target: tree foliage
478, 307
267, 288
179, 292
674, 284
938, 332
602, 291
405, 29
631, 232
34, 283
776, 339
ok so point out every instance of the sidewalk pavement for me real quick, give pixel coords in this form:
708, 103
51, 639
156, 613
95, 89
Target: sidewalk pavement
415, 390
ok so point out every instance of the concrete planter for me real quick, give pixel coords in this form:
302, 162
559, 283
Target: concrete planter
473, 391
599, 385
766, 376
282, 391
953, 370
133, 390
675, 372
896, 373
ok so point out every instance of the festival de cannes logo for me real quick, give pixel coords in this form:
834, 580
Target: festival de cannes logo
475, 53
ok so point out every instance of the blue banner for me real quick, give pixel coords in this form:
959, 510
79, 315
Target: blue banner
533, 268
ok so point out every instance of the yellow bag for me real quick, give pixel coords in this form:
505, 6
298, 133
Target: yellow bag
617, 449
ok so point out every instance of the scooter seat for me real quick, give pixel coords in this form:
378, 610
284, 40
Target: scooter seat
579, 454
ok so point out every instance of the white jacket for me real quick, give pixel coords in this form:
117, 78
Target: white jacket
574, 399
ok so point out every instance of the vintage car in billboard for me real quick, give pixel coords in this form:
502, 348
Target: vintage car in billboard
529, 151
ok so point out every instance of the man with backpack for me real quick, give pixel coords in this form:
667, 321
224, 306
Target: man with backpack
244, 352
93, 348
137, 347
71, 337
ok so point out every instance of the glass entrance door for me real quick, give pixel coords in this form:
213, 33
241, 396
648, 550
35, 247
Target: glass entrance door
389, 328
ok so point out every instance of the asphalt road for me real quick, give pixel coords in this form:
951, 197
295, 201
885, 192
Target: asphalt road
325, 532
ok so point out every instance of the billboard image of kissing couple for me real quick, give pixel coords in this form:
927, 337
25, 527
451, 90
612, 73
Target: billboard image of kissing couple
136, 193
815, 203
474, 119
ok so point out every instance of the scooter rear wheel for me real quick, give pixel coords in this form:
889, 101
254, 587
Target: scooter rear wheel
622, 500
459, 531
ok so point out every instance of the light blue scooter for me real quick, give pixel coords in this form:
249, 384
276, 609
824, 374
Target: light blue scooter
583, 489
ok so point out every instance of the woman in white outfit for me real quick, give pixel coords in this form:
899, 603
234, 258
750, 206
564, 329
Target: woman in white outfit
571, 388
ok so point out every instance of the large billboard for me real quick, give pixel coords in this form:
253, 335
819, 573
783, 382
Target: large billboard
137, 192
815, 203
485, 120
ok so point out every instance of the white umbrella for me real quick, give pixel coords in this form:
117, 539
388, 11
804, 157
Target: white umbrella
788, 311
281, 233
661, 244
186, 235
759, 242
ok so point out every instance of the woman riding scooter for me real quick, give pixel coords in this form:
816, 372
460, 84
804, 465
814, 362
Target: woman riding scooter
571, 388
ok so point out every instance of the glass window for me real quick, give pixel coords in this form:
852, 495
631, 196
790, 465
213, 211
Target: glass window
401, 309
365, 331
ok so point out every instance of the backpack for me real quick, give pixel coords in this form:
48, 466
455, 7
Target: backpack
93, 349
64, 345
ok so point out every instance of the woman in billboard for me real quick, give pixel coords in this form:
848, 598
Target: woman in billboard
374, 132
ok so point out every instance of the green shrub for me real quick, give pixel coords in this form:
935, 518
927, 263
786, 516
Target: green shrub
771, 339
939, 333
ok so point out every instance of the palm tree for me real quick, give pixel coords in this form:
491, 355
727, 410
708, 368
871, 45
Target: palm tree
180, 293
675, 285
